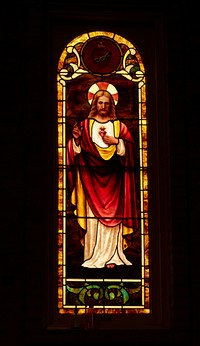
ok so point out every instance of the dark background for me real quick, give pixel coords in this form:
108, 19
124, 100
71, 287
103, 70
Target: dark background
27, 158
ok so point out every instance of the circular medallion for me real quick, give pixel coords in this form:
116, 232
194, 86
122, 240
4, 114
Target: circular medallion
101, 55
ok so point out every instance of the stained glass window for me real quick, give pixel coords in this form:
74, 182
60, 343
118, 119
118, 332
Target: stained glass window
103, 236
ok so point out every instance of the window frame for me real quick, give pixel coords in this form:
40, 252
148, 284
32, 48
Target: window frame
150, 27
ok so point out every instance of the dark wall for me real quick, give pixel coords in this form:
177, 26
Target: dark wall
28, 155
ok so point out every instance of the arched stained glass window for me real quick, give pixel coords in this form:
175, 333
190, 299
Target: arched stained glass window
103, 237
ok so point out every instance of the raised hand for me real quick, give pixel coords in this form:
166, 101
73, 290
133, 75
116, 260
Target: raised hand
77, 131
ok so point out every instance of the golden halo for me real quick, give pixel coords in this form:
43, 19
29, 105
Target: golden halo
102, 86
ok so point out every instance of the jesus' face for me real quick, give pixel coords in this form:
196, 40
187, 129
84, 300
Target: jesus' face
103, 106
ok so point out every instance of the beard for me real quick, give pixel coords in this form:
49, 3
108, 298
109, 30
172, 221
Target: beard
103, 112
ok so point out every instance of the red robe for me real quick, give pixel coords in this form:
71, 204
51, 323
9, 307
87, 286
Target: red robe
109, 185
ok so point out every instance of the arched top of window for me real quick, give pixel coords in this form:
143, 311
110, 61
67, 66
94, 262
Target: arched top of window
101, 54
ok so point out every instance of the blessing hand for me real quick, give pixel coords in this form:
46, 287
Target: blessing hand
77, 131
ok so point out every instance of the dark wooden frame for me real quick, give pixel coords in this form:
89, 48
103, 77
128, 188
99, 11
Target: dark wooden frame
33, 37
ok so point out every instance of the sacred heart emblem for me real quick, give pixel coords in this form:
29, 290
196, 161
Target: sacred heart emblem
102, 131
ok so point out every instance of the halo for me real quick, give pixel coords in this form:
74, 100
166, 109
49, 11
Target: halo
102, 86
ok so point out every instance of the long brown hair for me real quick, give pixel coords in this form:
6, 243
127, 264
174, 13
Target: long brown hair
99, 93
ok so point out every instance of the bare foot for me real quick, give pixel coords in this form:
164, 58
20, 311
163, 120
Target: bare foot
110, 265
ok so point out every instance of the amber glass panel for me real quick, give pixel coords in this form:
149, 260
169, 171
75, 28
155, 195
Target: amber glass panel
91, 62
